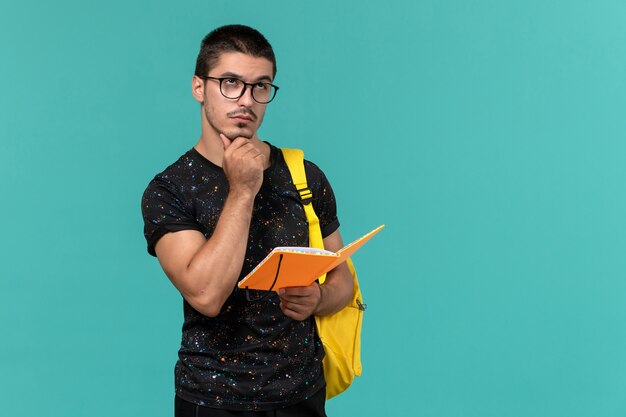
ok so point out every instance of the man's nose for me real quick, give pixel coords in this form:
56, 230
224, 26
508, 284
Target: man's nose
246, 98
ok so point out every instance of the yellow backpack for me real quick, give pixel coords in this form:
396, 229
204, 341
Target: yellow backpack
340, 332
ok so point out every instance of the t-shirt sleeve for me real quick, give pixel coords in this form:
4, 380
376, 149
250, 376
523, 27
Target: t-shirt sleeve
324, 202
164, 211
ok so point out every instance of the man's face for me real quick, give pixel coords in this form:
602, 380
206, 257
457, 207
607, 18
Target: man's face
235, 117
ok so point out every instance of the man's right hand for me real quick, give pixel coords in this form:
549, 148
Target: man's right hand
243, 165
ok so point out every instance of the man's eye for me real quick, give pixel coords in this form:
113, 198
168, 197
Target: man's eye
231, 81
261, 86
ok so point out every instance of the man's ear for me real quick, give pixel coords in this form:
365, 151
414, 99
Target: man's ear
197, 89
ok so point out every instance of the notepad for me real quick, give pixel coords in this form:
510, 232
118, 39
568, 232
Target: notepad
294, 266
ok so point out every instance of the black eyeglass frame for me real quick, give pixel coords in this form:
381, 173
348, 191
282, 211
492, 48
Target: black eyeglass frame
243, 90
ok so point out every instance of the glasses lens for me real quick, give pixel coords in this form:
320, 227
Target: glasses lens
263, 92
232, 87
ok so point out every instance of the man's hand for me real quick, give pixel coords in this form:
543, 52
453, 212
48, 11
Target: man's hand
243, 165
300, 302
320, 300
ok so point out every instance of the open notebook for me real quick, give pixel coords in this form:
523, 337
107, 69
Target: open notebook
293, 266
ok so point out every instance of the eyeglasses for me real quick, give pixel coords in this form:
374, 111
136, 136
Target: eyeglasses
234, 88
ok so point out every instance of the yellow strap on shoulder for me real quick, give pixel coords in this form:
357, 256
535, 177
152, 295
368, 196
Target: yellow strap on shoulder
295, 162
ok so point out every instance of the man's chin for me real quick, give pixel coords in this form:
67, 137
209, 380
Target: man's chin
239, 133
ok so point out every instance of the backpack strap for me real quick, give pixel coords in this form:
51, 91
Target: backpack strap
340, 333
295, 162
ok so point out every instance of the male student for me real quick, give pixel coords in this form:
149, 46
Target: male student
211, 217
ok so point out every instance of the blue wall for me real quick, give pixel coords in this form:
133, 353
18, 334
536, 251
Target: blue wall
488, 136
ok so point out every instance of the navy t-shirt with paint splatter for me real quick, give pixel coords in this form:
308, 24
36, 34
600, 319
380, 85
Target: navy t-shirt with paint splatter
251, 356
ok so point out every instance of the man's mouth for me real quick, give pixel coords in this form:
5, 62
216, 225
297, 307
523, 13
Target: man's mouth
242, 115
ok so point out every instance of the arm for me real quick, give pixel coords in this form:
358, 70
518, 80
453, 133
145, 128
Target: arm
320, 300
206, 271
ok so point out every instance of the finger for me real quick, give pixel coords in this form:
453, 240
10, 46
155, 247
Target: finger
261, 157
242, 146
248, 151
297, 291
295, 316
291, 303
295, 305
295, 299
240, 141
299, 304
225, 141
293, 312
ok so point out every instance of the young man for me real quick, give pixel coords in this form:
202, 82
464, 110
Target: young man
211, 217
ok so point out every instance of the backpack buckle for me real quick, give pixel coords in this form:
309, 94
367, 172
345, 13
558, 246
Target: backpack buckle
305, 195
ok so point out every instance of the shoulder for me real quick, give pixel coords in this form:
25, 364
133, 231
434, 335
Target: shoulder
177, 171
312, 170
315, 177
183, 173
315, 174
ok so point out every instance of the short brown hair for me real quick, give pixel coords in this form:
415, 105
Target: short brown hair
232, 38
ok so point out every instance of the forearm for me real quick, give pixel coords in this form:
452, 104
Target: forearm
223, 253
336, 291
207, 277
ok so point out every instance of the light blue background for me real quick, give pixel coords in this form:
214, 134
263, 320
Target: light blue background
488, 136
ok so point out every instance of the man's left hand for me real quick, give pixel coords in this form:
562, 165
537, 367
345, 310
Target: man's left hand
300, 302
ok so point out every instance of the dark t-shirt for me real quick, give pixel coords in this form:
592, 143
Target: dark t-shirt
250, 356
